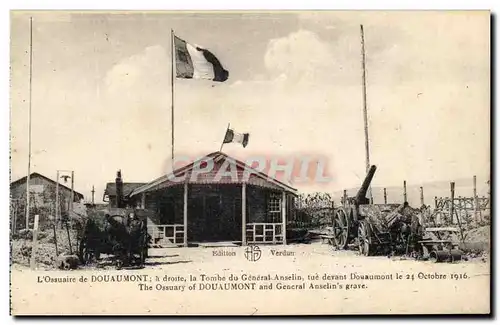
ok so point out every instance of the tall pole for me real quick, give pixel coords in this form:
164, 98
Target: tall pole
72, 190
452, 205
172, 46
29, 129
58, 206
93, 191
365, 114
244, 214
476, 216
222, 144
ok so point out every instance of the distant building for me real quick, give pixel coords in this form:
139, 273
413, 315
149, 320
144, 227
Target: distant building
42, 190
110, 192
42, 198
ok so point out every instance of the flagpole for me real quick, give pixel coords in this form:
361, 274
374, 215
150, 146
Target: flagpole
29, 129
365, 113
222, 144
172, 46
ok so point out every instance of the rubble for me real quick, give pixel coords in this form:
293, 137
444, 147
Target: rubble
27, 234
67, 262
46, 257
480, 234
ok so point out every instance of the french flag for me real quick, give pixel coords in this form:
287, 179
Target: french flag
234, 137
194, 62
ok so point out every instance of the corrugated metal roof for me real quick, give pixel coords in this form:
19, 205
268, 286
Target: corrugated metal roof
253, 176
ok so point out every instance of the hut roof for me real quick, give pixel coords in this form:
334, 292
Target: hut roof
255, 178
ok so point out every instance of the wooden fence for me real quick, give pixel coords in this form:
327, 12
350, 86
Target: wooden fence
449, 210
167, 234
264, 233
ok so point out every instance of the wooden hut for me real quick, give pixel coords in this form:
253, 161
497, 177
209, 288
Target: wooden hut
217, 199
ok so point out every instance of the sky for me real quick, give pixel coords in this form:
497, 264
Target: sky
101, 93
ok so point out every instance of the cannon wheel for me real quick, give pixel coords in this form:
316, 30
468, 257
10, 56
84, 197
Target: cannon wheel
83, 252
340, 228
144, 248
364, 238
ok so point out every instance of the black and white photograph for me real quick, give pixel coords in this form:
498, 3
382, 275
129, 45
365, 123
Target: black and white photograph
257, 162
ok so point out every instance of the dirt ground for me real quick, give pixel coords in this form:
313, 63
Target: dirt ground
477, 247
179, 258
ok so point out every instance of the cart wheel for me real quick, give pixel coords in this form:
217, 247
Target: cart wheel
143, 256
141, 253
364, 238
145, 246
81, 251
84, 253
340, 228
433, 258
144, 252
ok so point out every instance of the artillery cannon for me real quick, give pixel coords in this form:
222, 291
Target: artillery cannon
391, 229
118, 231
375, 228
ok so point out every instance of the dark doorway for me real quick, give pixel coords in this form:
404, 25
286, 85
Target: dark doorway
214, 214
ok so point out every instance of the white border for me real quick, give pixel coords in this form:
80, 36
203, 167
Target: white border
255, 4
180, 5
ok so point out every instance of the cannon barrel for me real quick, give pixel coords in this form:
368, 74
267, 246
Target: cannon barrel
361, 195
395, 215
119, 189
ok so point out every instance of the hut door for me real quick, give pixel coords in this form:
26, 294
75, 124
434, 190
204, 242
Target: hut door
212, 217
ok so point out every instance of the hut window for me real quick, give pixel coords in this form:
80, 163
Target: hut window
274, 207
274, 203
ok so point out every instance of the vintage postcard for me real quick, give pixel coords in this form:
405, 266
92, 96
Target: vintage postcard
250, 162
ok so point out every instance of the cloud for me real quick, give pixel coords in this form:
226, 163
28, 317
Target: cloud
137, 88
135, 111
407, 47
307, 99
312, 101
142, 70
296, 110
299, 56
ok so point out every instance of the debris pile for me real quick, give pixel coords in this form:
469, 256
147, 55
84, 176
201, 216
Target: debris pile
477, 242
481, 234
46, 256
